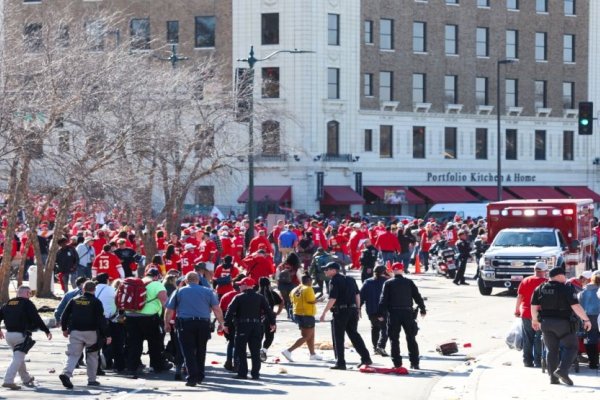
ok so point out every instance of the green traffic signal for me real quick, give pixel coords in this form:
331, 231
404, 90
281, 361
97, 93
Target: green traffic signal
585, 122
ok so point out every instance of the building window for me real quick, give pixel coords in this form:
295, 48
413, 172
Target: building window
511, 144
541, 6
333, 83
205, 195
270, 83
569, 7
418, 88
369, 32
451, 39
450, 143
511, 93
540, 145
270, 28
385, 141
419, 37
512, 43
568, 137
333, 138
368, 84
271, 137
568, 95
418, 142
173, 32
450, 92
482, 42
368, 139
333, 29
540, 46
481, 144
205, 32
512, 4
386, 86
483, 3
569, 48
139, 30
32, 34
540, 94
481, 91
95, 32
451, 1
386, 34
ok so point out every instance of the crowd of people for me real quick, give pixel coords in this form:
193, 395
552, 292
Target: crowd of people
212, 273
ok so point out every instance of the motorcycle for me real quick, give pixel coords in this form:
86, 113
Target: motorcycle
443, 259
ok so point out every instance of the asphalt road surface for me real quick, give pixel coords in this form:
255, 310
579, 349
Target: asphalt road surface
477, 323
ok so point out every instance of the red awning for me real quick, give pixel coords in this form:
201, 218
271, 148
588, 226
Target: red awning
278, 194
445, 194
340, 195
491, 192
535, 192
379, 191
580, 192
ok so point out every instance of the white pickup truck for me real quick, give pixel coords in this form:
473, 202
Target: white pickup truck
513, 254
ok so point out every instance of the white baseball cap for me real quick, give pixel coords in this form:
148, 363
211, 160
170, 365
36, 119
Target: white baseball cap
587, 274
540, 265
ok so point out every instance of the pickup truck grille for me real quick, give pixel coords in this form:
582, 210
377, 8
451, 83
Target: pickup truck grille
510, 261
514, 271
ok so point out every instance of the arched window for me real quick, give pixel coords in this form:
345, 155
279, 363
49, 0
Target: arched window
271, 138
333, 138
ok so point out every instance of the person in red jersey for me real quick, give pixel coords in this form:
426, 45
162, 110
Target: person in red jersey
355, 244
388, 245
258, 240
224, 276
257, 265
108, 263
188, 258
172, 259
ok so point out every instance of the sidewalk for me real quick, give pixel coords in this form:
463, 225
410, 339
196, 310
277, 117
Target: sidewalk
500, 374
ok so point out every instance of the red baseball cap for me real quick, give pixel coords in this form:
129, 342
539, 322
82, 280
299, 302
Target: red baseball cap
248, 282
397, 266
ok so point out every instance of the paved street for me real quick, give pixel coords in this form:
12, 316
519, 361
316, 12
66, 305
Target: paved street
476, 322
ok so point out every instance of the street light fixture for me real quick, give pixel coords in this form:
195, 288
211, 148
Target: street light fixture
499, 172
251, 60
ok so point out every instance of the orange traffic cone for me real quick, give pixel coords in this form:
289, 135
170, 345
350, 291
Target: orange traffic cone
417, 265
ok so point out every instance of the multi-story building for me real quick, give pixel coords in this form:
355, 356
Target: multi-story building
396, 107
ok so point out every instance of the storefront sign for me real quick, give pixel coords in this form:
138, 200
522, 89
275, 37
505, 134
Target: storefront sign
461, 177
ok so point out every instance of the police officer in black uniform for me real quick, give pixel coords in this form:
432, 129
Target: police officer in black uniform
368, 258
464, 253
344, 302
20, 317
245, 313
555, 305
83, 322
397, 300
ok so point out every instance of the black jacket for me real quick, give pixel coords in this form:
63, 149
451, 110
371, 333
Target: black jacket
20, 315
249, 305
464, 249
84, 313
368, 257
406, 239
344, 290
398, 294
67, 260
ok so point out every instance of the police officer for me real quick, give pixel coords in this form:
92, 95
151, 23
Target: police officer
344, 302
193, 304
397, 300
464, 252
20, 317
556, 304
84, 324
370, 293
368, 258
245, 313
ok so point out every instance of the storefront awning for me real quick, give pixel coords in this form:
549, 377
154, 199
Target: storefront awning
444, 194
386, 192
535, 192
580, 192
340, 195
490, 193
277, 194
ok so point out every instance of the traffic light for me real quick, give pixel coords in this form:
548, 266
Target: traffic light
586, 118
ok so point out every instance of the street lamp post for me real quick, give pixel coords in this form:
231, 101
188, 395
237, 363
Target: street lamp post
499, 172
251, 60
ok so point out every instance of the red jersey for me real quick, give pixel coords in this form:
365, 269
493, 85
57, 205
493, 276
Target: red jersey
338, 244
161, 244
107, 263
318, 237
221, 272
24, 246
208, 251
188, 259
237, 248
226, 246
526, 288
258, 267
387, 241
257, 241
226, 300
173, 263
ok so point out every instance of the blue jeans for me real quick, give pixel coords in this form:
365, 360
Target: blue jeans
404, 258
424, 257
388, 256
532, 344
83, 270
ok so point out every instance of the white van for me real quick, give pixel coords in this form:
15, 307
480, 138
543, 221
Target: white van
444, 212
